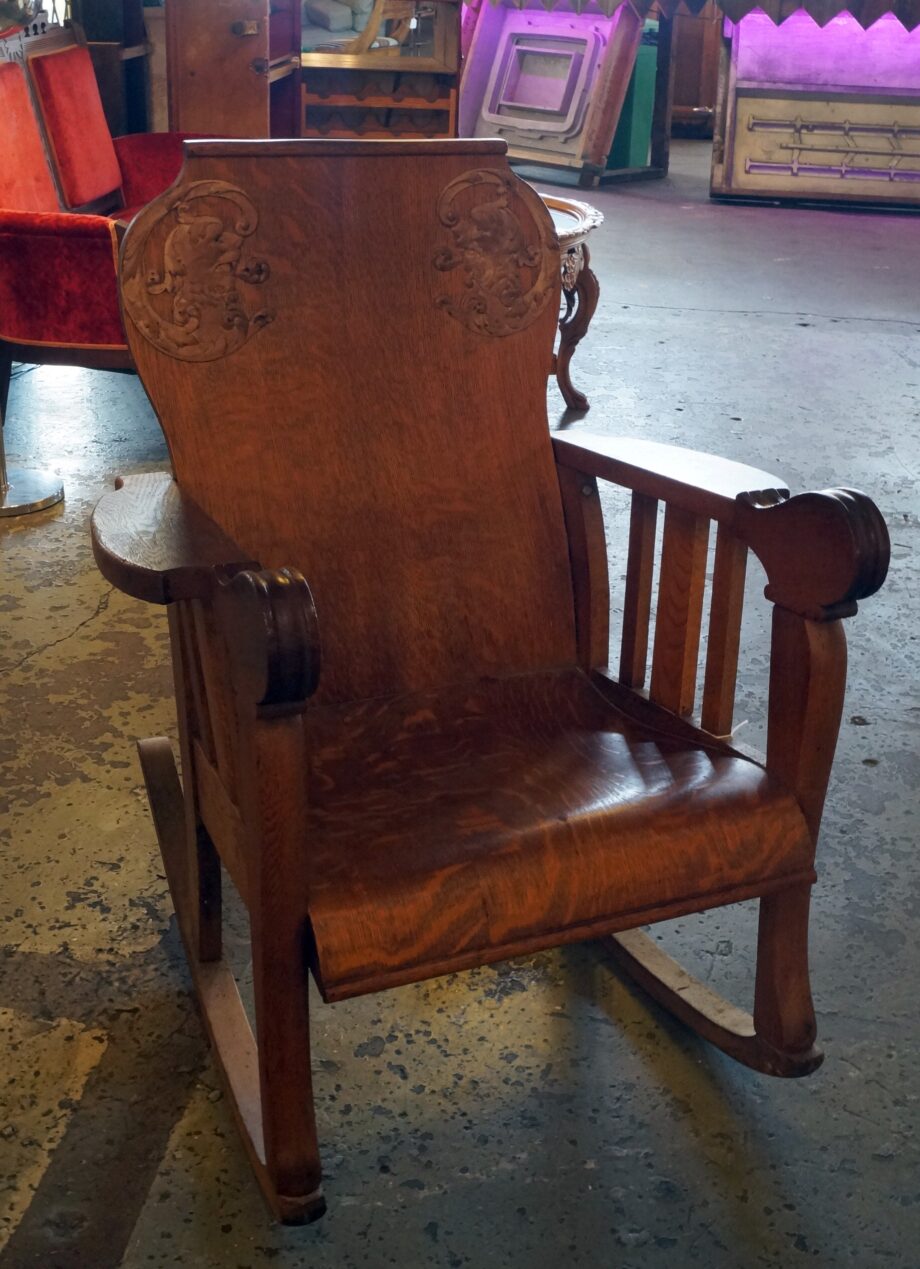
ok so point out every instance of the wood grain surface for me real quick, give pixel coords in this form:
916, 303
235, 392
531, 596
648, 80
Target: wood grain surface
389, 603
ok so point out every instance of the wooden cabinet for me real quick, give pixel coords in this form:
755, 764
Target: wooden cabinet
697, 40
394, 75
234, 67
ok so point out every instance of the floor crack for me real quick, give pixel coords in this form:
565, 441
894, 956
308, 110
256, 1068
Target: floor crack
773, 312
45, 647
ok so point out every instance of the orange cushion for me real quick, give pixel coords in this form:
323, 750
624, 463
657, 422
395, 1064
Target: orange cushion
25, 182
79, 137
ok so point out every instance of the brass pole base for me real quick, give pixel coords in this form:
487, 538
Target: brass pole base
25, 491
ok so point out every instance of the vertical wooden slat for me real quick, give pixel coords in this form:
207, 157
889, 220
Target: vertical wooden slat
724, 633
637, 602
194, 879
680, 610
199, 714
221, 709
584, 522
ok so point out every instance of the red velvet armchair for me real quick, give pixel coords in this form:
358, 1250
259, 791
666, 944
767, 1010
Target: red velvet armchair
58, 291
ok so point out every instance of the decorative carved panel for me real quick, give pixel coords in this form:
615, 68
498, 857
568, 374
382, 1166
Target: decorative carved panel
507, 255
188, 283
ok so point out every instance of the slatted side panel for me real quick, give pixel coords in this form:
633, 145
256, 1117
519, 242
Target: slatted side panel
680, 609
672, 619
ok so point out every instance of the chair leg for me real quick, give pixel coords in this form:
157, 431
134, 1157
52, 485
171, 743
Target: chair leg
779, 1038
267, 1083
6, 375
581, 301
291, 1148
784, 1015
21, 490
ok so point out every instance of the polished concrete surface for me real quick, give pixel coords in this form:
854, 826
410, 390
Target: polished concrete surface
537, 1114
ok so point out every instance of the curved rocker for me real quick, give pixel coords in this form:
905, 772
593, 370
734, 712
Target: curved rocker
235, 1049
713, 1018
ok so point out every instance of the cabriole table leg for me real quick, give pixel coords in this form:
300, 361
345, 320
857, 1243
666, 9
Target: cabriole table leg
580, 291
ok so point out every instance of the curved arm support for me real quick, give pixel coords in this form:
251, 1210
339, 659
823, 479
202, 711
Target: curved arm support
272, 635
808, 670
821, 551
155, 543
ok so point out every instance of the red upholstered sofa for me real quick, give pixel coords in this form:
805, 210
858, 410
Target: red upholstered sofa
58, 292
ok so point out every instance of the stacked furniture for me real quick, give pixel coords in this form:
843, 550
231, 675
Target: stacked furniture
369, 68
234, 67
394, 75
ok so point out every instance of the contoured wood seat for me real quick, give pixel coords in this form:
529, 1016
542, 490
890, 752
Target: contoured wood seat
481, 821
417, 760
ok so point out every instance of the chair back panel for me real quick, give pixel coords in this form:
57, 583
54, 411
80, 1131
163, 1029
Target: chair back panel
25, 181
75, 125
347, 344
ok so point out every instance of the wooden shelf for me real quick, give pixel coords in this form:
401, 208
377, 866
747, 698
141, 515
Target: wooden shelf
340, 101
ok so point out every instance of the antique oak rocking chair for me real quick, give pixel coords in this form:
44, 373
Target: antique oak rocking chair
388, 600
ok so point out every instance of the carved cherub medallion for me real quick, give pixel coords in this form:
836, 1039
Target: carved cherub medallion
509, 258
186, 278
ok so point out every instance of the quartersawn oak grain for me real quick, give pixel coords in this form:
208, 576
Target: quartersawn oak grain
388, 593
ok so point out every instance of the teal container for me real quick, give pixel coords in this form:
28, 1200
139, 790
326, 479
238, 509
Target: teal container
634, 131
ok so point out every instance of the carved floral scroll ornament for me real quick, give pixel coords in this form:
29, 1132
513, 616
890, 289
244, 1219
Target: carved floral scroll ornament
183, 290
509, 279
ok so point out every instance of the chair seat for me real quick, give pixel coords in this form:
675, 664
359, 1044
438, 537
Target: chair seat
457, 828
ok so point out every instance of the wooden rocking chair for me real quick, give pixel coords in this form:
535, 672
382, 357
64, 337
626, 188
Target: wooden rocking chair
420, 762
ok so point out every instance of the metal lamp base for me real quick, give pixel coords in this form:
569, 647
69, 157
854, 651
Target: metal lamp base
25, 491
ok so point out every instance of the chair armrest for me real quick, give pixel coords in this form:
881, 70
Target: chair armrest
56, 225
699, 483
58, 280
821, 551
149, 162
268, 622
153, 542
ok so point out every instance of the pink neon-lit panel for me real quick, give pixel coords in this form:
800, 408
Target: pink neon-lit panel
842, 55
542, 76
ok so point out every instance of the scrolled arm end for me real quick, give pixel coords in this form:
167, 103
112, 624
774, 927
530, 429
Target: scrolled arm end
272, 634
822, 551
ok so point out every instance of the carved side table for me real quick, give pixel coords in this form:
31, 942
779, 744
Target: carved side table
573, 221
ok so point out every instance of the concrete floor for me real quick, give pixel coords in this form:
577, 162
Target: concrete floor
537, 1114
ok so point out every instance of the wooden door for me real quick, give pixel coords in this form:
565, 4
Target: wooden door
218, 58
